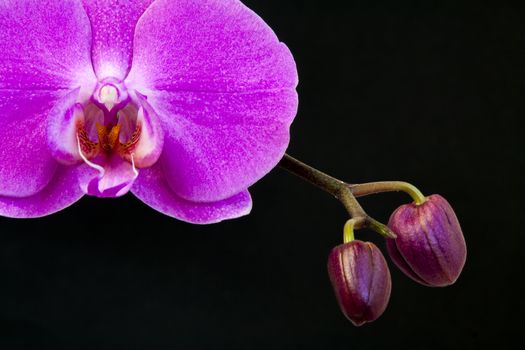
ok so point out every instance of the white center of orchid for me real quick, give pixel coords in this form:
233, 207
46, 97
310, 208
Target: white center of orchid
108, 96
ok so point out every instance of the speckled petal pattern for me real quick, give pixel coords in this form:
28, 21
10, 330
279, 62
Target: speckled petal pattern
224, 88
26, 164
217, 144
61, 192
44, 49
113, 23
152, 189
208, 45
44, 45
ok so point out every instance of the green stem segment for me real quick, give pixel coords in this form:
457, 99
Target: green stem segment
348, 231
360, 190
340, 190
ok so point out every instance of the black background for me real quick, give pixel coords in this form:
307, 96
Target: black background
426, 92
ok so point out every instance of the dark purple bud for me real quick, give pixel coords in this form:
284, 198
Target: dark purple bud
430, 247
361, 280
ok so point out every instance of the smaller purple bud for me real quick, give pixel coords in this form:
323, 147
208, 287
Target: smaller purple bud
361, 280
430, 247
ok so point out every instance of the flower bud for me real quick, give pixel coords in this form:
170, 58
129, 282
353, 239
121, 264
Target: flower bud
430, 247
361, 280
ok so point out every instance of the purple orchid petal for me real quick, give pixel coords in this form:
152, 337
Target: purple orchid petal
62, 121
150, 145
208, 45
60, 193
45, 51
224, 88
217, 144
151, 188
26, 164
45, 45
113, 24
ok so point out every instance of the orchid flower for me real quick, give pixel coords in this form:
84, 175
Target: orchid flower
183, 103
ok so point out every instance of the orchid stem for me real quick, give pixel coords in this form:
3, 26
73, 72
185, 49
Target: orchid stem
337, 188
348, 231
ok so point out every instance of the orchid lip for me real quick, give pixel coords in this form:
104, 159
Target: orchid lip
113, 133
